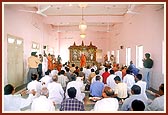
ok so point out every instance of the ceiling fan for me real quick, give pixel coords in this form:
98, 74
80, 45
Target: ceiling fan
39, 11
130, 9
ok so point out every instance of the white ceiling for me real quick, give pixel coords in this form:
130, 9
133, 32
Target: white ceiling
64, 14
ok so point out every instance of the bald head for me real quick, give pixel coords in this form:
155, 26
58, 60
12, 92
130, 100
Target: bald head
55, 78
44, 91
108, 91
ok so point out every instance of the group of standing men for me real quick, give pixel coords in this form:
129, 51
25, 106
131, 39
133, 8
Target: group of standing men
39, 65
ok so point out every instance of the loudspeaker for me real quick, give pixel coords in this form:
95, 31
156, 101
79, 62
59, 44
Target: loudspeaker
121, 47
44, 47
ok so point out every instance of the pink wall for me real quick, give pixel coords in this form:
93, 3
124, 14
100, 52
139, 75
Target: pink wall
21, 25
147, 29
144, 29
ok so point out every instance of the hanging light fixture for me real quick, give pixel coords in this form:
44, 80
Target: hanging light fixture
82, 25
82, 35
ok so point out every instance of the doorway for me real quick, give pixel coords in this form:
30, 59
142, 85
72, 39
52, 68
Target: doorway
15, 63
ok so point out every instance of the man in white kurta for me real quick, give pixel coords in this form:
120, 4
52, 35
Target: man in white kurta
42, 103
94, 78
34, 84
142, 84
62, 79
78, 86
110, 80
44, 64
119, 73
108, 103
87, 72
56, 92
129, 80
120, 88
54, 72
13, 102
46, 79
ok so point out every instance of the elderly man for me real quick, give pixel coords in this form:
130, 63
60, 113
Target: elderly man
108, 103
42, 103
33, 63
56, 92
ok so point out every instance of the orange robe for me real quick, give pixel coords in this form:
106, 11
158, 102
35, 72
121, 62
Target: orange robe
50, 64
83, 61
54, 63
59, 66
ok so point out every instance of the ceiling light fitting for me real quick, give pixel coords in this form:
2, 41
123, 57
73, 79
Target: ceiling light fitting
82, 25
82, 35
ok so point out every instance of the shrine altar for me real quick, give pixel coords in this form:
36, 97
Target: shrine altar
75, 52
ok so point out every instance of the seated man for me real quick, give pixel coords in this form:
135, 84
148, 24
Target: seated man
129, 79
94, 78
96, 87
14, 102
136, 91
46, 79
56, 92
133, 68
78, 86
142, 84
108, 103
137, 105
71, 103
42, 103
158, 103
120, 89
34, 84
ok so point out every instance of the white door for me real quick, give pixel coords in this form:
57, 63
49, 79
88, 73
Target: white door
15, 69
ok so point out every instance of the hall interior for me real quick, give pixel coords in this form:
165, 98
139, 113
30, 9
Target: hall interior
126, 30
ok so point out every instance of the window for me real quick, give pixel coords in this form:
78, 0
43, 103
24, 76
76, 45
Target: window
19, 42
139, 56
128, 56
117, 56
112, 52
99, 55
14, 40
35, 47
108, 55
11, 40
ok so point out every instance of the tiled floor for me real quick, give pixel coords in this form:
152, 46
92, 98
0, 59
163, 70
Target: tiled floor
88, 103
